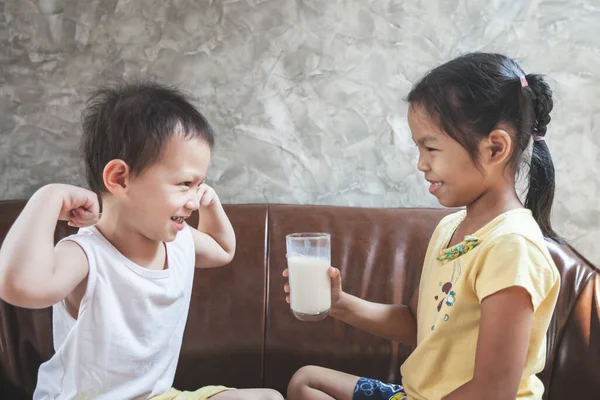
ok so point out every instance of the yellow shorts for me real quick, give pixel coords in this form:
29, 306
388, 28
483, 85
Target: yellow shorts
200, 394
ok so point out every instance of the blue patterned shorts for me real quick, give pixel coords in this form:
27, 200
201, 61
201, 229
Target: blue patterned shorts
372, 389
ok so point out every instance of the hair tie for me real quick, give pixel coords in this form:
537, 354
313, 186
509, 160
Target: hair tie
539, 138
524, 82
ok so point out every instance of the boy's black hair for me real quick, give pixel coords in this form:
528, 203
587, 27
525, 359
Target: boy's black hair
473, 93
133, 122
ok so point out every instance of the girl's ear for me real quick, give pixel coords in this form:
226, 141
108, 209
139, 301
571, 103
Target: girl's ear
496, 149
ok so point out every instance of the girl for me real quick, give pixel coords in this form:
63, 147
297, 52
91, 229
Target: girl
488, 286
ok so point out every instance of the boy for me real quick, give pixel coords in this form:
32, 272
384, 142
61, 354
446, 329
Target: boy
120, 288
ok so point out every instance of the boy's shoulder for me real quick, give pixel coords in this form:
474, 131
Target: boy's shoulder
100, 251
85, 239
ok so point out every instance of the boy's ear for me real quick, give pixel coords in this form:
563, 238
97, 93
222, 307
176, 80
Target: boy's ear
116, 176
497, 147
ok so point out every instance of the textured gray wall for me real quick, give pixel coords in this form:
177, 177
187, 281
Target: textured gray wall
295, 89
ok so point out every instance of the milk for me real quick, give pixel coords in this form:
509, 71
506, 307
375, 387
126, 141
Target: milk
310, 285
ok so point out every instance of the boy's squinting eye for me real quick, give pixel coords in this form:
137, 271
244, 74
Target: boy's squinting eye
188, 184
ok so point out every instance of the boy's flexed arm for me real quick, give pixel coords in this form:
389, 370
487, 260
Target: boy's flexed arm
33, 273
214, 239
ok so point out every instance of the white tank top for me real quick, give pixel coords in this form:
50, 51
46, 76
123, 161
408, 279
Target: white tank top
126, 340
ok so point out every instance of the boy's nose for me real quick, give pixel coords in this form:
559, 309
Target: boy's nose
194, 201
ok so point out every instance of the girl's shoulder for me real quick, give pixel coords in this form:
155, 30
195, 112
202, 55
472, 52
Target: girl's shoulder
450, 222
516, 243
512, 225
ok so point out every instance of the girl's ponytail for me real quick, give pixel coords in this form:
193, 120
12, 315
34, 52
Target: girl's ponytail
541, 169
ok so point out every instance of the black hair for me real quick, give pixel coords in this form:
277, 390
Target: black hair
474, 93
133, 122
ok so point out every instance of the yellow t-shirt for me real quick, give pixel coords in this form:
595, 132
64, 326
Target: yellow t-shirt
510, 252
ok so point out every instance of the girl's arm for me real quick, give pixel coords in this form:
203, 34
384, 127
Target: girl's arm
504, 330
396, 322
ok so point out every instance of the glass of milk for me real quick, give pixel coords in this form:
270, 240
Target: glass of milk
309, 258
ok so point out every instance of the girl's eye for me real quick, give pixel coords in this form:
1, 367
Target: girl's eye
430, 149
188, 184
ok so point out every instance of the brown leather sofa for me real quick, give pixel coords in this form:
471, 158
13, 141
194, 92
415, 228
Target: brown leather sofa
241, 333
